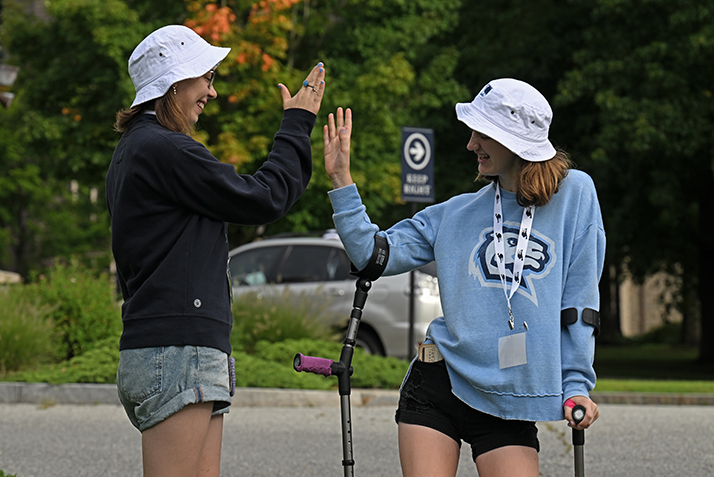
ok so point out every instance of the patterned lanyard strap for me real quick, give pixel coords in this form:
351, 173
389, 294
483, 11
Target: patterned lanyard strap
521, 249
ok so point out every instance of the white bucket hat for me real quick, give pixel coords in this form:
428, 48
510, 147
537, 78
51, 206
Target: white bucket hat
513, 113
168, 55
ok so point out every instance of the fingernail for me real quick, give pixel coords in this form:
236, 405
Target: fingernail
319, 64
321, 70
305, 83
322, 82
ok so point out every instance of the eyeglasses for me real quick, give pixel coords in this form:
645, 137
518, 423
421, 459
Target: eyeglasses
211, 76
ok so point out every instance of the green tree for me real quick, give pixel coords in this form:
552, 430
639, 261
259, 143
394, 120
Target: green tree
643, 87
388, 65
72, 81
57, 137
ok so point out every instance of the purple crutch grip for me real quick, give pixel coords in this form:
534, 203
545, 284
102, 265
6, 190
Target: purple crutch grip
311, 364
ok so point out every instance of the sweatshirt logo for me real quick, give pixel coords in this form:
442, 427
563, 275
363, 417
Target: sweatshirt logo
540, 259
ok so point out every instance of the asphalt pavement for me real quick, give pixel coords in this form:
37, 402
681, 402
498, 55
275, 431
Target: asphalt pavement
297, 434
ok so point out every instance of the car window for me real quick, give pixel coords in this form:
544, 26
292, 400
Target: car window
315, 263
257, 266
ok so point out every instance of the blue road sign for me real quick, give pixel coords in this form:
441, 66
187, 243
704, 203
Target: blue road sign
417, 165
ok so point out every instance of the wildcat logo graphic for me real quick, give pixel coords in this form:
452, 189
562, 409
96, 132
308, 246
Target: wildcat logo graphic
540, 259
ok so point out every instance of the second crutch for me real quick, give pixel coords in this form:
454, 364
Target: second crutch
578, 441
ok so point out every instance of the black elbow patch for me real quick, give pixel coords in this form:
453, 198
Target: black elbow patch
590, 316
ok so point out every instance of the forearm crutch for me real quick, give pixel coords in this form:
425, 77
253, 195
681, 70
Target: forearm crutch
578, 441
343, 370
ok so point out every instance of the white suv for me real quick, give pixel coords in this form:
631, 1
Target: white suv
321, 266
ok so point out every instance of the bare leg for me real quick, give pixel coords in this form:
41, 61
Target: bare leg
509, 461
210, 465
178, 446
425, 452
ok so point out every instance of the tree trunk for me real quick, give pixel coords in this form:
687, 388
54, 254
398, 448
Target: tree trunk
610, 306
691, 316
705, 275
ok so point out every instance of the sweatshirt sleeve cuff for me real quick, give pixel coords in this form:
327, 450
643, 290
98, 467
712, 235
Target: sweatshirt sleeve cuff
344, 198
297, 121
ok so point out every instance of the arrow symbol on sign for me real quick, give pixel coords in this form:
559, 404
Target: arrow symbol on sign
417, 151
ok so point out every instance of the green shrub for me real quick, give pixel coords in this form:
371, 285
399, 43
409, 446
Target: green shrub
370, 371
254, 371
3, 474
99, 365
668, 333
26, 332
270, 367
84, 308
278, 317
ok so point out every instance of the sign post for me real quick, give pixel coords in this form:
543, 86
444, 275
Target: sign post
417, 186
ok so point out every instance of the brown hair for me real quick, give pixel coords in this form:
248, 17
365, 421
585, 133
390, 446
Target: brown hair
538, 181
167, 110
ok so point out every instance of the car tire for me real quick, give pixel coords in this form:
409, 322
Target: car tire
368, 340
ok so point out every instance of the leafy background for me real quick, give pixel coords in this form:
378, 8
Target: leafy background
629, 80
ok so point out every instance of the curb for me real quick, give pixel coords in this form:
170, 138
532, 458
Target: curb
48, 394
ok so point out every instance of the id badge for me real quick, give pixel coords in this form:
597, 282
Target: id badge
512, 350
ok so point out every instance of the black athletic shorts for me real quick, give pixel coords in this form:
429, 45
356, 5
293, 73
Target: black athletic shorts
426, 400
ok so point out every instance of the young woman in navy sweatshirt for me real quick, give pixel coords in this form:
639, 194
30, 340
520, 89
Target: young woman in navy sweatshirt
169, 201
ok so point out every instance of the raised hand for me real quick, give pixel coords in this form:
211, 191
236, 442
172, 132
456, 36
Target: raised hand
336, 135
309, 97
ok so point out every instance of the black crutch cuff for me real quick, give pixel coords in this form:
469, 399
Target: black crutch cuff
590, 316
377, 262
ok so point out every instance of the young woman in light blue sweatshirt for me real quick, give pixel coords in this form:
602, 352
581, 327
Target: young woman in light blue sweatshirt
518, 262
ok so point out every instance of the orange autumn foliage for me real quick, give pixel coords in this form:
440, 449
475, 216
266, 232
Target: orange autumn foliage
213, 22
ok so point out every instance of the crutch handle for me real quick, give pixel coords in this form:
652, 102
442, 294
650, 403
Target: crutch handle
311, 364
579, 441
578, 413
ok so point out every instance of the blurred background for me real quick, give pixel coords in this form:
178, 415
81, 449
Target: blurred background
630, 82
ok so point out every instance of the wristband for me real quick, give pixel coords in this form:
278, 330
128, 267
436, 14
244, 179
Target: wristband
569, 403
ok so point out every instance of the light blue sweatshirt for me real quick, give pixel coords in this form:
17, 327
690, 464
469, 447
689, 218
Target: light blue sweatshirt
562, 269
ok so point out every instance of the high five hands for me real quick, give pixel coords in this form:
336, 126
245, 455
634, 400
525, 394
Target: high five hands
336, 135
309, 97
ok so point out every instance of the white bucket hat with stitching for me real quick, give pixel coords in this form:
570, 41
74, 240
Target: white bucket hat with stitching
513, 113
168, 55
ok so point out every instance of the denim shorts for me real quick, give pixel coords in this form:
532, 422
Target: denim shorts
426, 400
155, 383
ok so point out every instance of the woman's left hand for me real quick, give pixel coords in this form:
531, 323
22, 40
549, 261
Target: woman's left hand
309, 97
591, 412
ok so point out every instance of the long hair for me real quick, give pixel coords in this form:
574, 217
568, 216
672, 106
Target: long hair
538, 181
167, 110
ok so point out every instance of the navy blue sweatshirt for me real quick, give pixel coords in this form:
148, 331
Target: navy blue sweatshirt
169, 201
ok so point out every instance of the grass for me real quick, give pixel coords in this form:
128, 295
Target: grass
650, 386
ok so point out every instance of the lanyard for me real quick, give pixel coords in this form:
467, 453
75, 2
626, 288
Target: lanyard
522, 247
